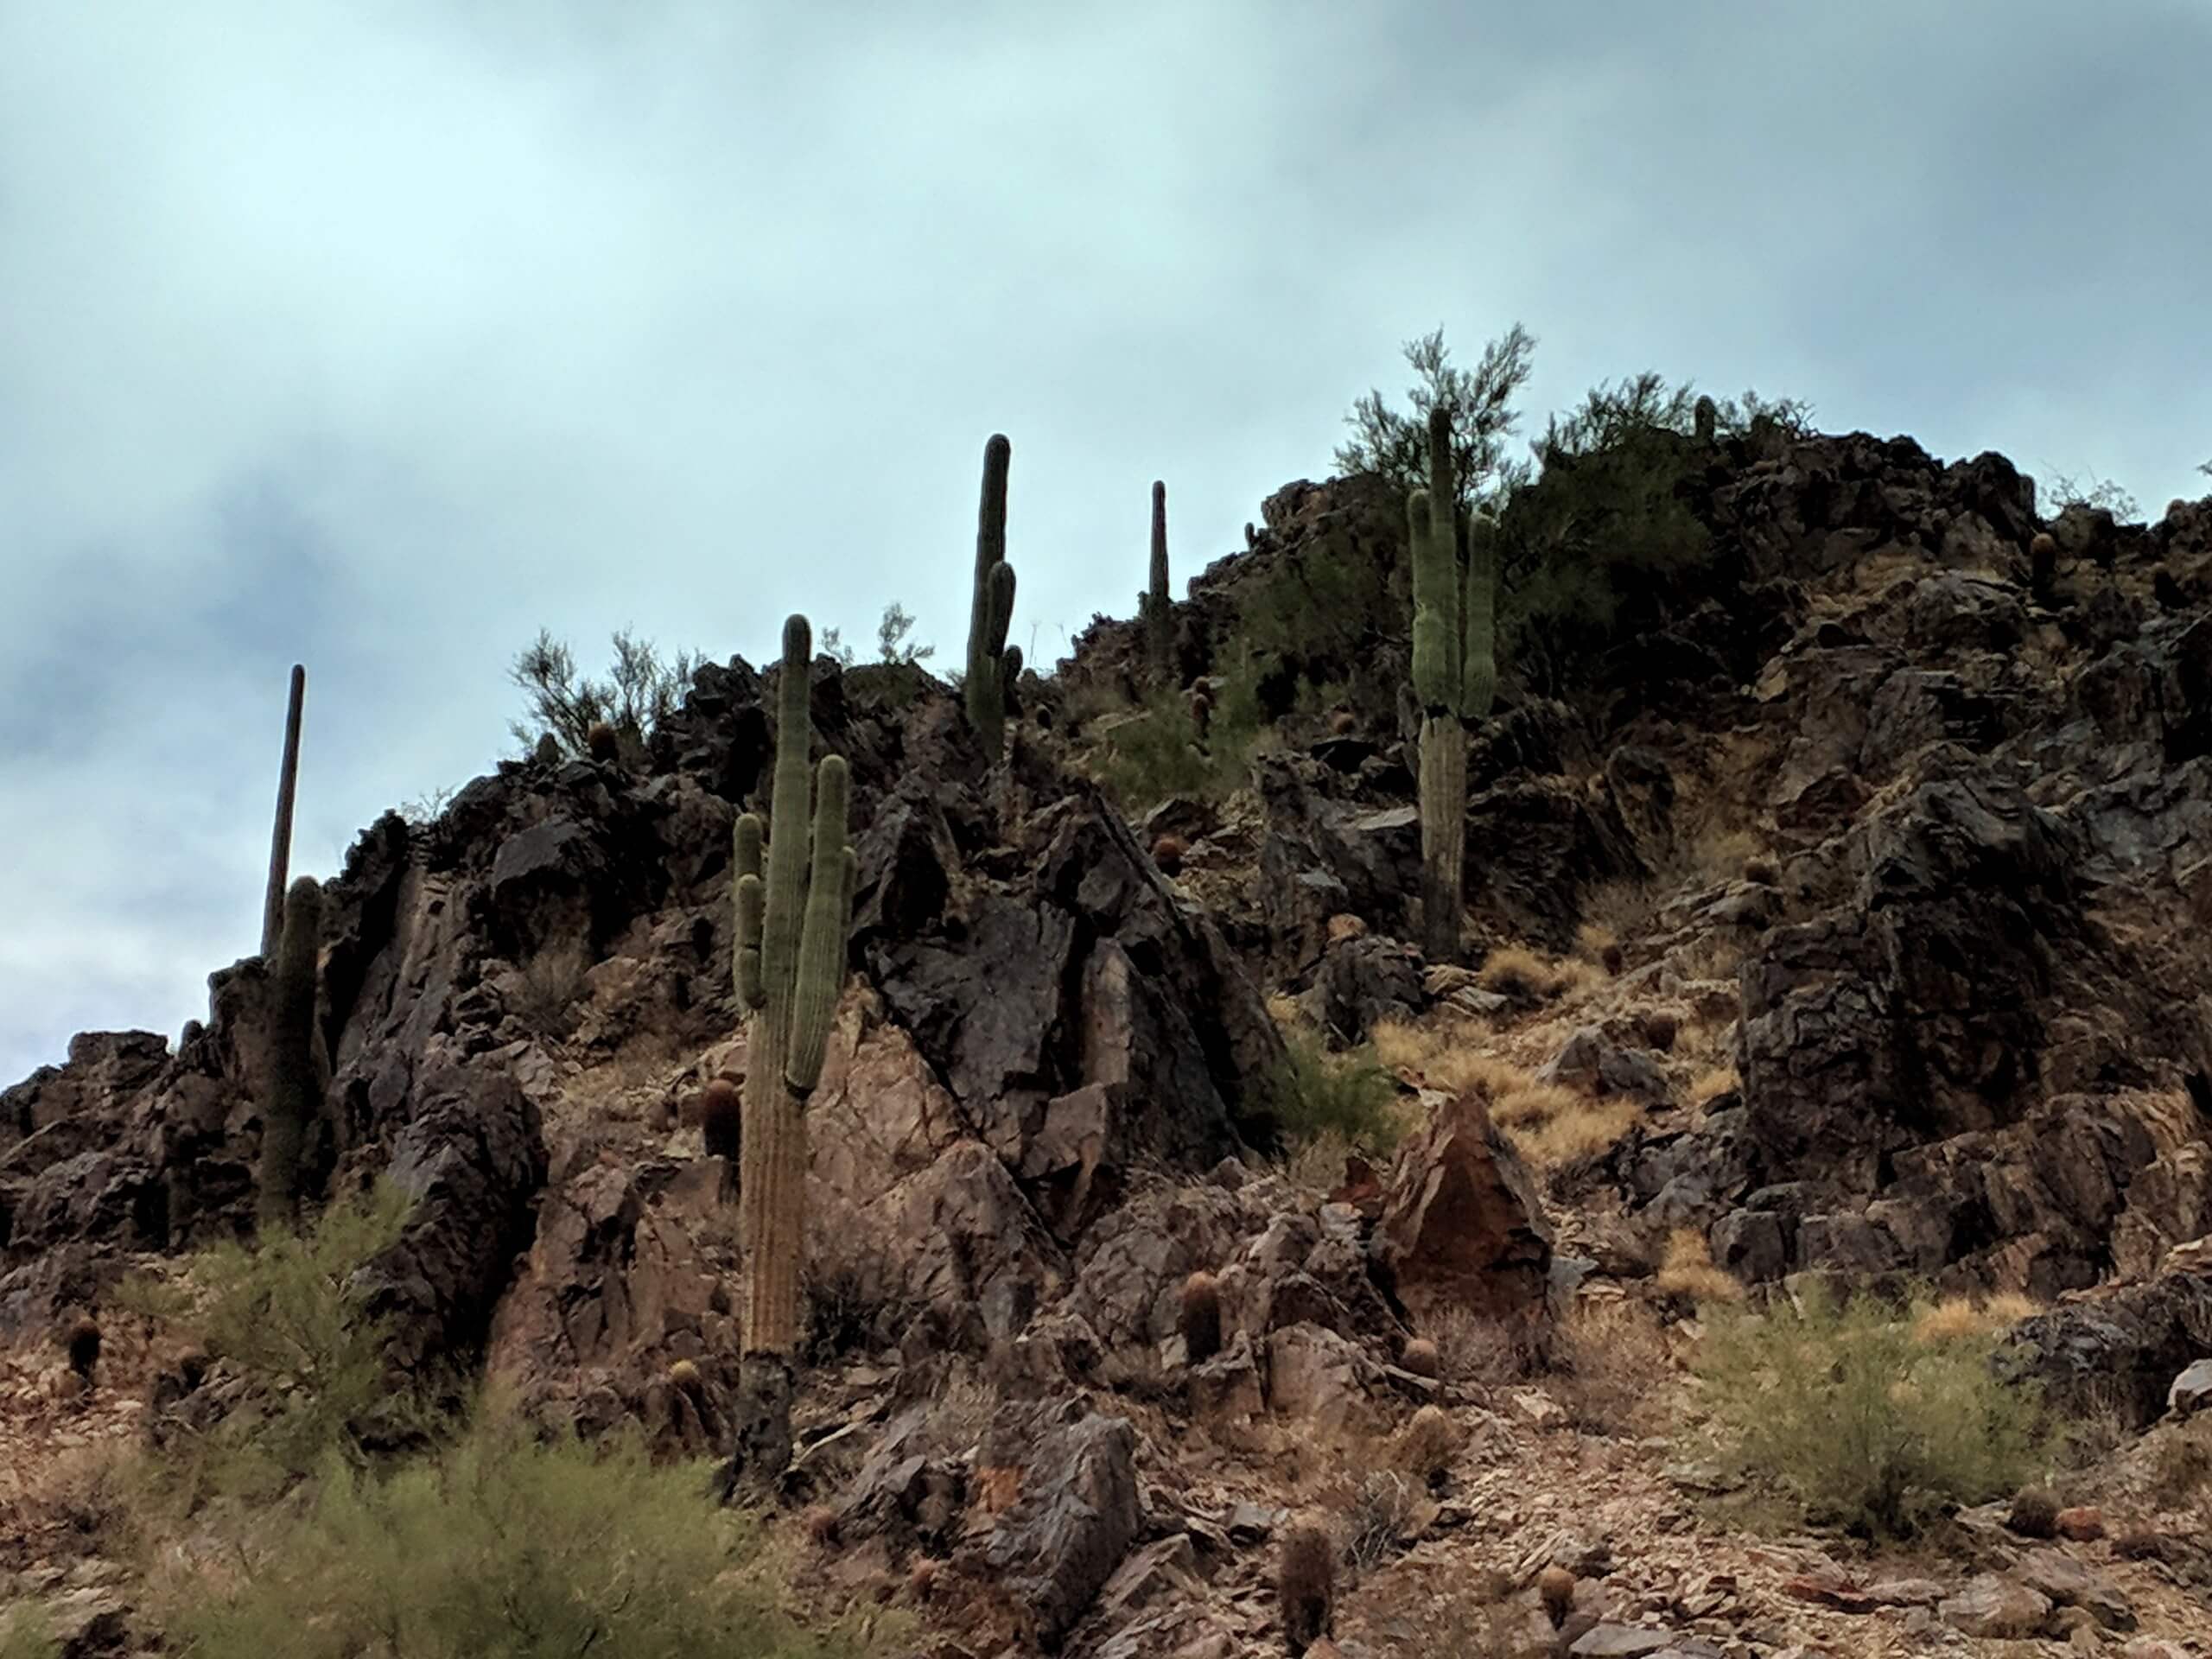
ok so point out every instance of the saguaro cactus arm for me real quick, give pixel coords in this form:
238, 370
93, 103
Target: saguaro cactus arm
991, 605
280, 843
294, 1091
793, 925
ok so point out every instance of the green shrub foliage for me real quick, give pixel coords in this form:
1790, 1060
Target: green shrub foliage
504, 1543
1843, 1408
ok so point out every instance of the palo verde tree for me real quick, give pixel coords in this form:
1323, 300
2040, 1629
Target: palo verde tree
1601, 536
793, 917
1478, 403
1455, 676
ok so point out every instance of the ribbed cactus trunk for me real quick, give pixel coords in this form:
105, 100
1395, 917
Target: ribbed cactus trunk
790, 968
294, 1091
1455, 677
993, 665
280, 845
1159, 613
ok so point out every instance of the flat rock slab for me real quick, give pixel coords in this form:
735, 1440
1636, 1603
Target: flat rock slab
1622, 1642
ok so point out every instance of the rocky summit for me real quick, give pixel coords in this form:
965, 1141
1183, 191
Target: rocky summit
1190, 1258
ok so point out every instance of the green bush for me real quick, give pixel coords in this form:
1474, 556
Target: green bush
277, 1315
1156, 754
501, 1546
1349, 1095
1860, 1421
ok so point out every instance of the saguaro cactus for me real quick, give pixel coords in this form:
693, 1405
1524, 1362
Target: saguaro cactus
993, 665
295, 1092
280, 846
1158, 608
1455, 677
1708, 416
791, 929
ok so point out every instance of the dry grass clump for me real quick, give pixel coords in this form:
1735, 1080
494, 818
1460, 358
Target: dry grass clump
1711, 1084
548, 987
1595, 942
1515, 971
1548, 1123
1619, 909
1716, 955
1717, 853
1956, 1318
1616, 1374
1589, 1129
1687, 1270
1476, 1351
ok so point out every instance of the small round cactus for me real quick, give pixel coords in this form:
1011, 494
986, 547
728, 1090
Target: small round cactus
1556, 1590
1200, 1317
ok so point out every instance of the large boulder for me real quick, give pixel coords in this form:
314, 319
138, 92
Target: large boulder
1462, 1225
1076, 1517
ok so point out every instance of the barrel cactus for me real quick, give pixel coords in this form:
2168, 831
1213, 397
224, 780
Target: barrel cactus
1455, 676
993, 665
794, 913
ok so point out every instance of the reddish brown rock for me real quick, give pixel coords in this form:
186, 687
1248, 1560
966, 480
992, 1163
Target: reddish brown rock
1462, 1226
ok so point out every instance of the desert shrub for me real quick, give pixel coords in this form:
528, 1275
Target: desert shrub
1863, 1423
501, 1543
1602, 533
641, 690
1349, 1095
1686, 1270
277, 1312
548, 986
1380, 1515
1156, 753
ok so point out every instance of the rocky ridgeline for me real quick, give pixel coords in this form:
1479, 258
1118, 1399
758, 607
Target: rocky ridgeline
1972, 1039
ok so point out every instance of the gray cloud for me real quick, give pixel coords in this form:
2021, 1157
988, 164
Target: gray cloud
377, 337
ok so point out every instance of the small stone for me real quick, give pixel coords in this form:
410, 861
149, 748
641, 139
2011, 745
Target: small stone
2192, 1389
2084, 1523
1996, 1607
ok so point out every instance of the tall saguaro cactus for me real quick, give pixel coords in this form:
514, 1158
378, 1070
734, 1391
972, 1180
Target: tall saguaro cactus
792, 923
1160, 616
294, 1091
1455, 677
280, 846
993, 665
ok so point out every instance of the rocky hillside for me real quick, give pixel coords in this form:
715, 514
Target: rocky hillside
1844, 923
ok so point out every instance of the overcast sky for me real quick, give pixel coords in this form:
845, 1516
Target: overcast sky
377, 336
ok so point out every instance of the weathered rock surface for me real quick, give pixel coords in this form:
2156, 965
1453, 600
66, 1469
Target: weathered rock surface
1462, 1226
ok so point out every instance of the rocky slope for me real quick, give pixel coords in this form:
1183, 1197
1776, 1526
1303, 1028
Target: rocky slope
1916, 841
